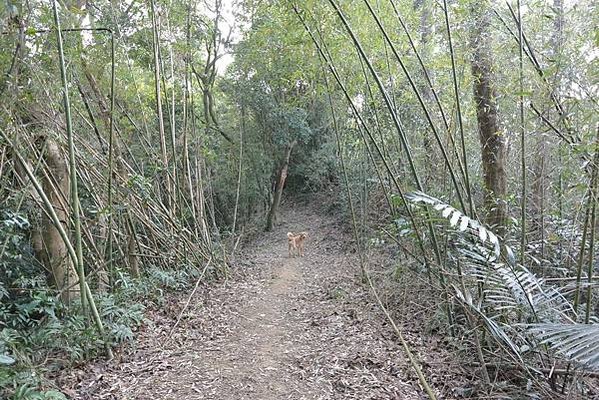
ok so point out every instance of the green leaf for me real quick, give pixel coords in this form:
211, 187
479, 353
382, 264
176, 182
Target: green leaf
6, 360
54, 395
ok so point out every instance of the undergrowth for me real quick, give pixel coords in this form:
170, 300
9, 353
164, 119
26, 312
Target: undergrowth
40, 336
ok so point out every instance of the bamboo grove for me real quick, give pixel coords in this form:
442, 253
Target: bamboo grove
142, 141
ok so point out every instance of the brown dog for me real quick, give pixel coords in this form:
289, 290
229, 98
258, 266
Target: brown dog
296, 242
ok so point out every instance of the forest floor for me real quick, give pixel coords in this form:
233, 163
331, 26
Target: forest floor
278, 328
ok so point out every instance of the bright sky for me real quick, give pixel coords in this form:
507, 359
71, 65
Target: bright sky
229, 6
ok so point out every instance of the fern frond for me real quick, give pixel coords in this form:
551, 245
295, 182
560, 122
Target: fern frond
457, 219
498, 331
577, 342
507, 285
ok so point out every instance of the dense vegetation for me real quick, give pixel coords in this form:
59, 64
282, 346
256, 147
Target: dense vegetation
459, 135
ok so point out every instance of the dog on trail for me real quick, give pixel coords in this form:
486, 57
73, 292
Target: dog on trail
296, 243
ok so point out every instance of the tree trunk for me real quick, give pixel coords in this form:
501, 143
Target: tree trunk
493, 142
280, 183
55, 183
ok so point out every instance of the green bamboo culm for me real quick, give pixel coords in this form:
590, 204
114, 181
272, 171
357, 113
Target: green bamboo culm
394, 116
85, 292
325, 54
592, 224
111, 271
424, 107
522, 134
365, 276
454, 77
72, 164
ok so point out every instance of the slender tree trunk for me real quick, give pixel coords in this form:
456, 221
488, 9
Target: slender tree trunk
56, 184
49, 247
493, 142
280, 183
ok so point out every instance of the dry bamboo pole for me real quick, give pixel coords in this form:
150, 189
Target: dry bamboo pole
240, 170
157, 93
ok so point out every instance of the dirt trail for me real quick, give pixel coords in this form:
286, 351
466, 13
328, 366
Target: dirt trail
281, 328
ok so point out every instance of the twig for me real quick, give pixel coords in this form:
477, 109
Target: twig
187, 303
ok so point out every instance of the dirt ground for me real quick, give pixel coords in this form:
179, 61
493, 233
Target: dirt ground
279, 328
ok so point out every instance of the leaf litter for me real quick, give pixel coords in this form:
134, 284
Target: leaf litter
279, 328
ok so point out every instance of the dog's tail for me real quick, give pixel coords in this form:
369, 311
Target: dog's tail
289, 235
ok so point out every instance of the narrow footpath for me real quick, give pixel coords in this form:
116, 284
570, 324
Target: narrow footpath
279, 328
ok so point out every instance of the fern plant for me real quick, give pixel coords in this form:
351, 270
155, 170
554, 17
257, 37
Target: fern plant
520, 310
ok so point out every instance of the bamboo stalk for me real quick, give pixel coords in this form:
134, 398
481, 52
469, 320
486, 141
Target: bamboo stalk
157, 90
63, 234
454, 76
239, 168
522, 136
72, 161
394, 116
594, 199
420, 101
415, 364
323, 51
111, 272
